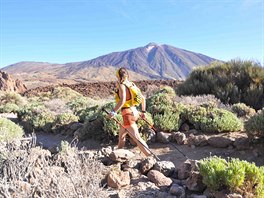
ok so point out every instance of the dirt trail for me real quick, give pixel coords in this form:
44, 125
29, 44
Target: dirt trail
163, 151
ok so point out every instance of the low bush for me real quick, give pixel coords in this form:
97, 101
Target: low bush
11, 97
94, 125
87, 113
213, 172
161, 101
9, 108
255, 125
211, 119
235, 175
65, 93
235, 81
201, 100
63, 120
168, 121
78, 104
36, 116
242, 110
34, 172
9, 130
164, 110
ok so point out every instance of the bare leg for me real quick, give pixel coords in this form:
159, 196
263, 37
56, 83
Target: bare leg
122, 138
134, 131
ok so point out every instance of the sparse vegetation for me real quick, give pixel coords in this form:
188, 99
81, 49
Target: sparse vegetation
33, 172
211, 119
9, 131
62, 121
36, 117
236, 175
11, 97
242, 110
255, 125
9, 108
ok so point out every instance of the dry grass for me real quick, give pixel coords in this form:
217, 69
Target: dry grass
27, 171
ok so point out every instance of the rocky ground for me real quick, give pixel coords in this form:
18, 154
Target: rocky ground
128, 173
104, 89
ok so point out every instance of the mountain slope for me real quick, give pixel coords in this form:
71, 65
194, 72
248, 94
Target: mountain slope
152, 61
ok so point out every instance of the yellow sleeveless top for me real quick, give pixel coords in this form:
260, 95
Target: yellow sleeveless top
128, 102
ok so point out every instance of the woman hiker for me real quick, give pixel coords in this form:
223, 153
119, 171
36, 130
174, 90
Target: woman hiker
128, 111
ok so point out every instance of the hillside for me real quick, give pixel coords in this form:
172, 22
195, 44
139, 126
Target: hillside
152, 61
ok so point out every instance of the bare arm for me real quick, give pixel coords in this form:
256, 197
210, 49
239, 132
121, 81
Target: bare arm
143, 104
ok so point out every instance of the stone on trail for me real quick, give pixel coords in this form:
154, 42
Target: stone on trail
177, 190
121, 155
198, 140
147, 164
118, 179
195, 182
220, 141
242, 143
179, 137
165, 167
186, 167
159, 179
163, 137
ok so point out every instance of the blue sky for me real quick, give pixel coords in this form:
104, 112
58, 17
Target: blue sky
60, 31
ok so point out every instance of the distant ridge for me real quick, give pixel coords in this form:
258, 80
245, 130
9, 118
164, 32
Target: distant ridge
152, 61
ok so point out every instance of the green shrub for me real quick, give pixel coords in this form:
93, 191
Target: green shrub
110, 126
36, 116
142, 125
254, 178
232, 82
11, 97
87, 113
164, 111
9, 108
236, 175
65, 93
94, 124
211, 119
213, 171
78, 104
167, 90
255, 125
63, 120
242, 110
9, 130
159, 103
169, 121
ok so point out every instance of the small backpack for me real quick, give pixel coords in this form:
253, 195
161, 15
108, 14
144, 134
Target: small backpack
136, 95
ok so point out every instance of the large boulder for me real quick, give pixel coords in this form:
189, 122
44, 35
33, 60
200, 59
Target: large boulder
7, 83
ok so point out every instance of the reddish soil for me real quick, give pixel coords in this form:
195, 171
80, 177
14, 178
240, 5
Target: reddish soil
103, 89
